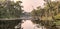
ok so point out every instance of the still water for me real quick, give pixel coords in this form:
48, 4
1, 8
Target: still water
29, 25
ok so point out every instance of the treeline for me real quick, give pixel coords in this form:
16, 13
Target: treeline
50, 10
48, 15
10, 9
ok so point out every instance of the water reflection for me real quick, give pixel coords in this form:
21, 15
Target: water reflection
29, 25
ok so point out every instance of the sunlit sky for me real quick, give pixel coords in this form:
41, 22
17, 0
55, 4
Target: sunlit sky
27, 4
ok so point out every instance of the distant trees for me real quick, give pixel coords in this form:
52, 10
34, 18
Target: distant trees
10, 9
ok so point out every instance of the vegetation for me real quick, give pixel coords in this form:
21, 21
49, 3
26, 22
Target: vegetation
10, 9
48, 14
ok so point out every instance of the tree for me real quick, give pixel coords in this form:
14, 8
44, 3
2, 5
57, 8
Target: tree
51, 9
10, 9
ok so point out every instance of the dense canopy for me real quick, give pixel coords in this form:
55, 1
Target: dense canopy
10, 9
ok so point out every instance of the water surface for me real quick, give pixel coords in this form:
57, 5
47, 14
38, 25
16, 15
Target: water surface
29, 25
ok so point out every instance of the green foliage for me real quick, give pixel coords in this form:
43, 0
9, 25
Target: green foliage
51, 9
35, 12
10, 9
57, 16
57, 23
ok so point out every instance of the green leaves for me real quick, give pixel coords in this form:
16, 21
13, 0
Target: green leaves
10, 9
49, 16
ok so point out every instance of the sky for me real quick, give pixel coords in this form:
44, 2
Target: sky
27, 4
